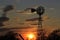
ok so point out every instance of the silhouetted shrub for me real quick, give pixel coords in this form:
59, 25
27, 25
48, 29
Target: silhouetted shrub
54, 35
11, 36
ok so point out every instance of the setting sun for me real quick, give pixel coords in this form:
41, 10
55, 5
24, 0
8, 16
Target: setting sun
30, 36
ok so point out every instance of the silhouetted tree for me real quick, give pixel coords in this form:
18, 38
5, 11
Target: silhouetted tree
54, 35
1, 37
12, 36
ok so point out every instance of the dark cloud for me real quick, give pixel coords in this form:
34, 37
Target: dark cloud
8, 8
33, 19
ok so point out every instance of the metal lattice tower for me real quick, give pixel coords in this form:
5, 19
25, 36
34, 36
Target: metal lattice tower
40, 10
40, 34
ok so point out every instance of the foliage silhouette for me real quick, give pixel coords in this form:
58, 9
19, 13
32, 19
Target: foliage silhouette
11, 36
54, 35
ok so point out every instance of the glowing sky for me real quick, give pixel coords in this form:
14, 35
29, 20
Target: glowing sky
51, 16
52, 12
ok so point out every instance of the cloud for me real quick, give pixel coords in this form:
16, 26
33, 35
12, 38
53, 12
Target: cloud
47, 22
30, 26
34, 19
46, 26
27, 10
8, 8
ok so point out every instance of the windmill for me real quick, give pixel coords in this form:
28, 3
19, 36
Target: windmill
40, 11
4, 17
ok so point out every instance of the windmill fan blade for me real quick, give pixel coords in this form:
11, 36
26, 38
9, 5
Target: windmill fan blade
27, 10
40, 10
33, 10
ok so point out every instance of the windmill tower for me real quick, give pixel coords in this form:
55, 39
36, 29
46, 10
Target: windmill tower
40, 11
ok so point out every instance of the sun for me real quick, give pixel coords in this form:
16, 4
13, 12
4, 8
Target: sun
30, 36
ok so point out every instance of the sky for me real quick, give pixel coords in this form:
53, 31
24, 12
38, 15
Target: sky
18, 16
51, 17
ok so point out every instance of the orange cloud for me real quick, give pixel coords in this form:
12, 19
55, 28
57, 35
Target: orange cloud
44, 18
27, 10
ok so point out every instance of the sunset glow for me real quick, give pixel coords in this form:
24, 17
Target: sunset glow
31, 36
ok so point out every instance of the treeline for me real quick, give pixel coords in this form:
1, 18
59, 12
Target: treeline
11, 36
55, 35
